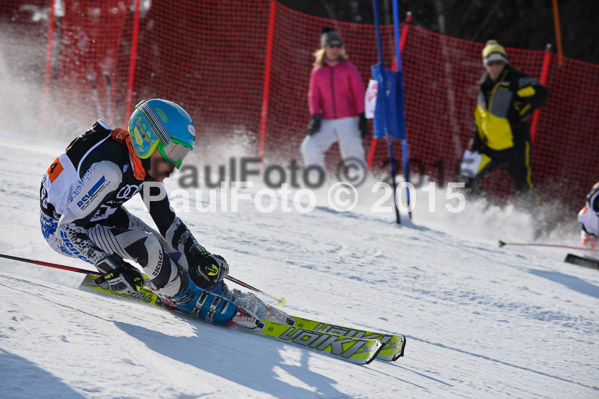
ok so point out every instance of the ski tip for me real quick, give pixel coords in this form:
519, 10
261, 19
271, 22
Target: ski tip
281, 301
501, 244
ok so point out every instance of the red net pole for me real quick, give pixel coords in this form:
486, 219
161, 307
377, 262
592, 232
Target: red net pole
134, 42
558, 33
264, 111
404, 34
543, 81
48, 66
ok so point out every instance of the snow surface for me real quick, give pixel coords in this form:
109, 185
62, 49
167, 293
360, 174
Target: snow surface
480, 321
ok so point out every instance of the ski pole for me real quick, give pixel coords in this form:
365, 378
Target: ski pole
501, 244
101, 278
48, 264
280, 301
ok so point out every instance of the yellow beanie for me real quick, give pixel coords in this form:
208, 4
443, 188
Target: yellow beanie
494, 51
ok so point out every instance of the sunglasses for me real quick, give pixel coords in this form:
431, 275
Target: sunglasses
334, 45
493, 63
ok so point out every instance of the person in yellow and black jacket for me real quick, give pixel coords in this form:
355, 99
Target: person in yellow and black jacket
501, 135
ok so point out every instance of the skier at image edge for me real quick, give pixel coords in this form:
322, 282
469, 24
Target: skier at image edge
82, 216
588, 217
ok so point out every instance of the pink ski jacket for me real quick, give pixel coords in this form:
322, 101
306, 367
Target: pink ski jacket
336, 91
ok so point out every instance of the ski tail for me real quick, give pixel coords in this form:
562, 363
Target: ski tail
145, 295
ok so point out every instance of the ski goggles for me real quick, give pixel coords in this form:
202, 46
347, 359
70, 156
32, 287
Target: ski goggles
173, 151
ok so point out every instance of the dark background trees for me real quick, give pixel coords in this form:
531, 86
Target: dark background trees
526, 24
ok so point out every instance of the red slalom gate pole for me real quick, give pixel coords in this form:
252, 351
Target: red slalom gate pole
132, 59
265, 90
47, 74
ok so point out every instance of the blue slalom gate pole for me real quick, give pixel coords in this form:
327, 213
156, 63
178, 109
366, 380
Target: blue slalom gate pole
381, 120
404, 141
389, 118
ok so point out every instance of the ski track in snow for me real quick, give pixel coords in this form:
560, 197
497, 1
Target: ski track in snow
481, 321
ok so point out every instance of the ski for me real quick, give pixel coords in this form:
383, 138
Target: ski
582, 261
393, 344
351, 349
357, 350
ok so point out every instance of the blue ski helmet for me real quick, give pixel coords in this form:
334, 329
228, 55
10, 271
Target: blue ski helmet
162, 124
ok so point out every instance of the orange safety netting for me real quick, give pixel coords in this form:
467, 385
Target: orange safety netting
218, 61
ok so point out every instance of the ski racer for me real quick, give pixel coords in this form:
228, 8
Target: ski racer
588, 217
82, 214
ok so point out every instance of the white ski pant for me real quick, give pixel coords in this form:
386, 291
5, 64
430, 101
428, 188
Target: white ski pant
138, 242
344, 130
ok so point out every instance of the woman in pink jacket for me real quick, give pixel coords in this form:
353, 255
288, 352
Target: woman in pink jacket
336, 100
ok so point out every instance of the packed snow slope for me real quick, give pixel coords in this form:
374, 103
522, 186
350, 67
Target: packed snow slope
481, 322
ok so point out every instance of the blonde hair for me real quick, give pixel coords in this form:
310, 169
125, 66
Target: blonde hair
319, 56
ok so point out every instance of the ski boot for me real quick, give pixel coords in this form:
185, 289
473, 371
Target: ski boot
204, 304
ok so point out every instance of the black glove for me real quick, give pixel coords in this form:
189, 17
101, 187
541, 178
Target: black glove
314, 125
476, 144
528, 99
209, 267
119, 275
363, 125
